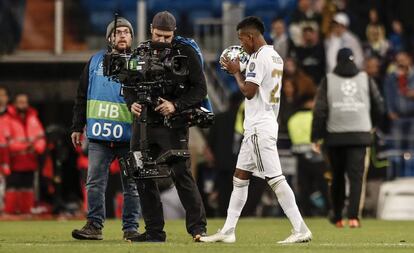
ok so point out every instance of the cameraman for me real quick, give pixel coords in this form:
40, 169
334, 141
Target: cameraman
162, 139
100, 106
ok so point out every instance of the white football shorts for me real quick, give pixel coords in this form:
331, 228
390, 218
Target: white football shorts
258, 154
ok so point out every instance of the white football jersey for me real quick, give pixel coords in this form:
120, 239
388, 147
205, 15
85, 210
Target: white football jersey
265, 68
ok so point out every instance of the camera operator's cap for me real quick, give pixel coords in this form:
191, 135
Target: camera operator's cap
341, 18
119, 23
164, 21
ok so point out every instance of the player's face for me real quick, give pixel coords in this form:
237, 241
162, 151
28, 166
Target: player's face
122, 38
162, 36
246, 41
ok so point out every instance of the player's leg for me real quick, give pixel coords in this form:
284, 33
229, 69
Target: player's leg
238, 199
267, 160
242, 174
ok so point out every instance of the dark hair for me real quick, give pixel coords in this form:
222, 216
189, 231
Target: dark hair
252, 22
308, 28
278, 19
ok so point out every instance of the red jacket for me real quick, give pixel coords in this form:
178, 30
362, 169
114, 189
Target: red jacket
27, 140
4, 143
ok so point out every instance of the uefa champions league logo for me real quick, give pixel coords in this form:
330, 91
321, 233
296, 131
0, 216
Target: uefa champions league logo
349, 88
232, 52
349, 102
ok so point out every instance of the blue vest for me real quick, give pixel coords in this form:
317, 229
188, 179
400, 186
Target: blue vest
107, 115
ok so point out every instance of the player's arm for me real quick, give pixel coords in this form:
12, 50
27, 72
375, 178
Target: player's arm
248, 89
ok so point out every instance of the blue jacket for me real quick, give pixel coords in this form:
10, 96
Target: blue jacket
395, 101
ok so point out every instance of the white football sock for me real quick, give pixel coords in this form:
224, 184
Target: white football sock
237, 200
287, 201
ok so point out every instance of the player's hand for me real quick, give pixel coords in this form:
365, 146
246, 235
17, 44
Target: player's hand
165, 107
232, 67
136, 109
316, 147
76, 136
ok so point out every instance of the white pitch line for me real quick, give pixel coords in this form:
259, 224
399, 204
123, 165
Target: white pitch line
402, 244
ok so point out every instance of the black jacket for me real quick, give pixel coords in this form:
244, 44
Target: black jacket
197, 89
195, 83
79, 109
321, 112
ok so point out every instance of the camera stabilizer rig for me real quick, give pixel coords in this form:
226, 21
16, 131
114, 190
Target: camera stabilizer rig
140, 165
150, 72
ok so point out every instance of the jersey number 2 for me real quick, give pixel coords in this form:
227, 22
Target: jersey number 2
278, 75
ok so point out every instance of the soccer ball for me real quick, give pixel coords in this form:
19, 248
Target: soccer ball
232, 52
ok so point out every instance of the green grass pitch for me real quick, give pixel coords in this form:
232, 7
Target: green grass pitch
253, 235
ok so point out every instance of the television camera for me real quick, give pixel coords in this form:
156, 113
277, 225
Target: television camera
151, 71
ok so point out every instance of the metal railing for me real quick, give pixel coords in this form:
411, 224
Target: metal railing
208, 33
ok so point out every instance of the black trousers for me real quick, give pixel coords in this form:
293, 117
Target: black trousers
160, 140
20, 180
311, 179
352, 161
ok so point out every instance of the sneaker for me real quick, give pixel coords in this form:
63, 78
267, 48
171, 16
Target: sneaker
227, 237
354, 223
340, 224
130, 235
297, 237
88, 232
149, 237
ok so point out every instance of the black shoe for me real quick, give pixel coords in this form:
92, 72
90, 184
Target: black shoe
131, 235
88, 232
149, 237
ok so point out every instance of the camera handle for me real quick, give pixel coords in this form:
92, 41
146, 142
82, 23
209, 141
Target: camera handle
143, 141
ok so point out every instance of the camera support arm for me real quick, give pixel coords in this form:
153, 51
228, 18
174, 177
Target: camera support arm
139, 165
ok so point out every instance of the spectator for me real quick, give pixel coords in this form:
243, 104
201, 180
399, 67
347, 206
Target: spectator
4, 132
311, 55
348, 104
304, 15
288, 104
281, 42
374, 21
376, 44
373, 69
201, 160
341, 37
312, 187
305, 84
399, 95
27, 142
4, 141
224, 144
397, 38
